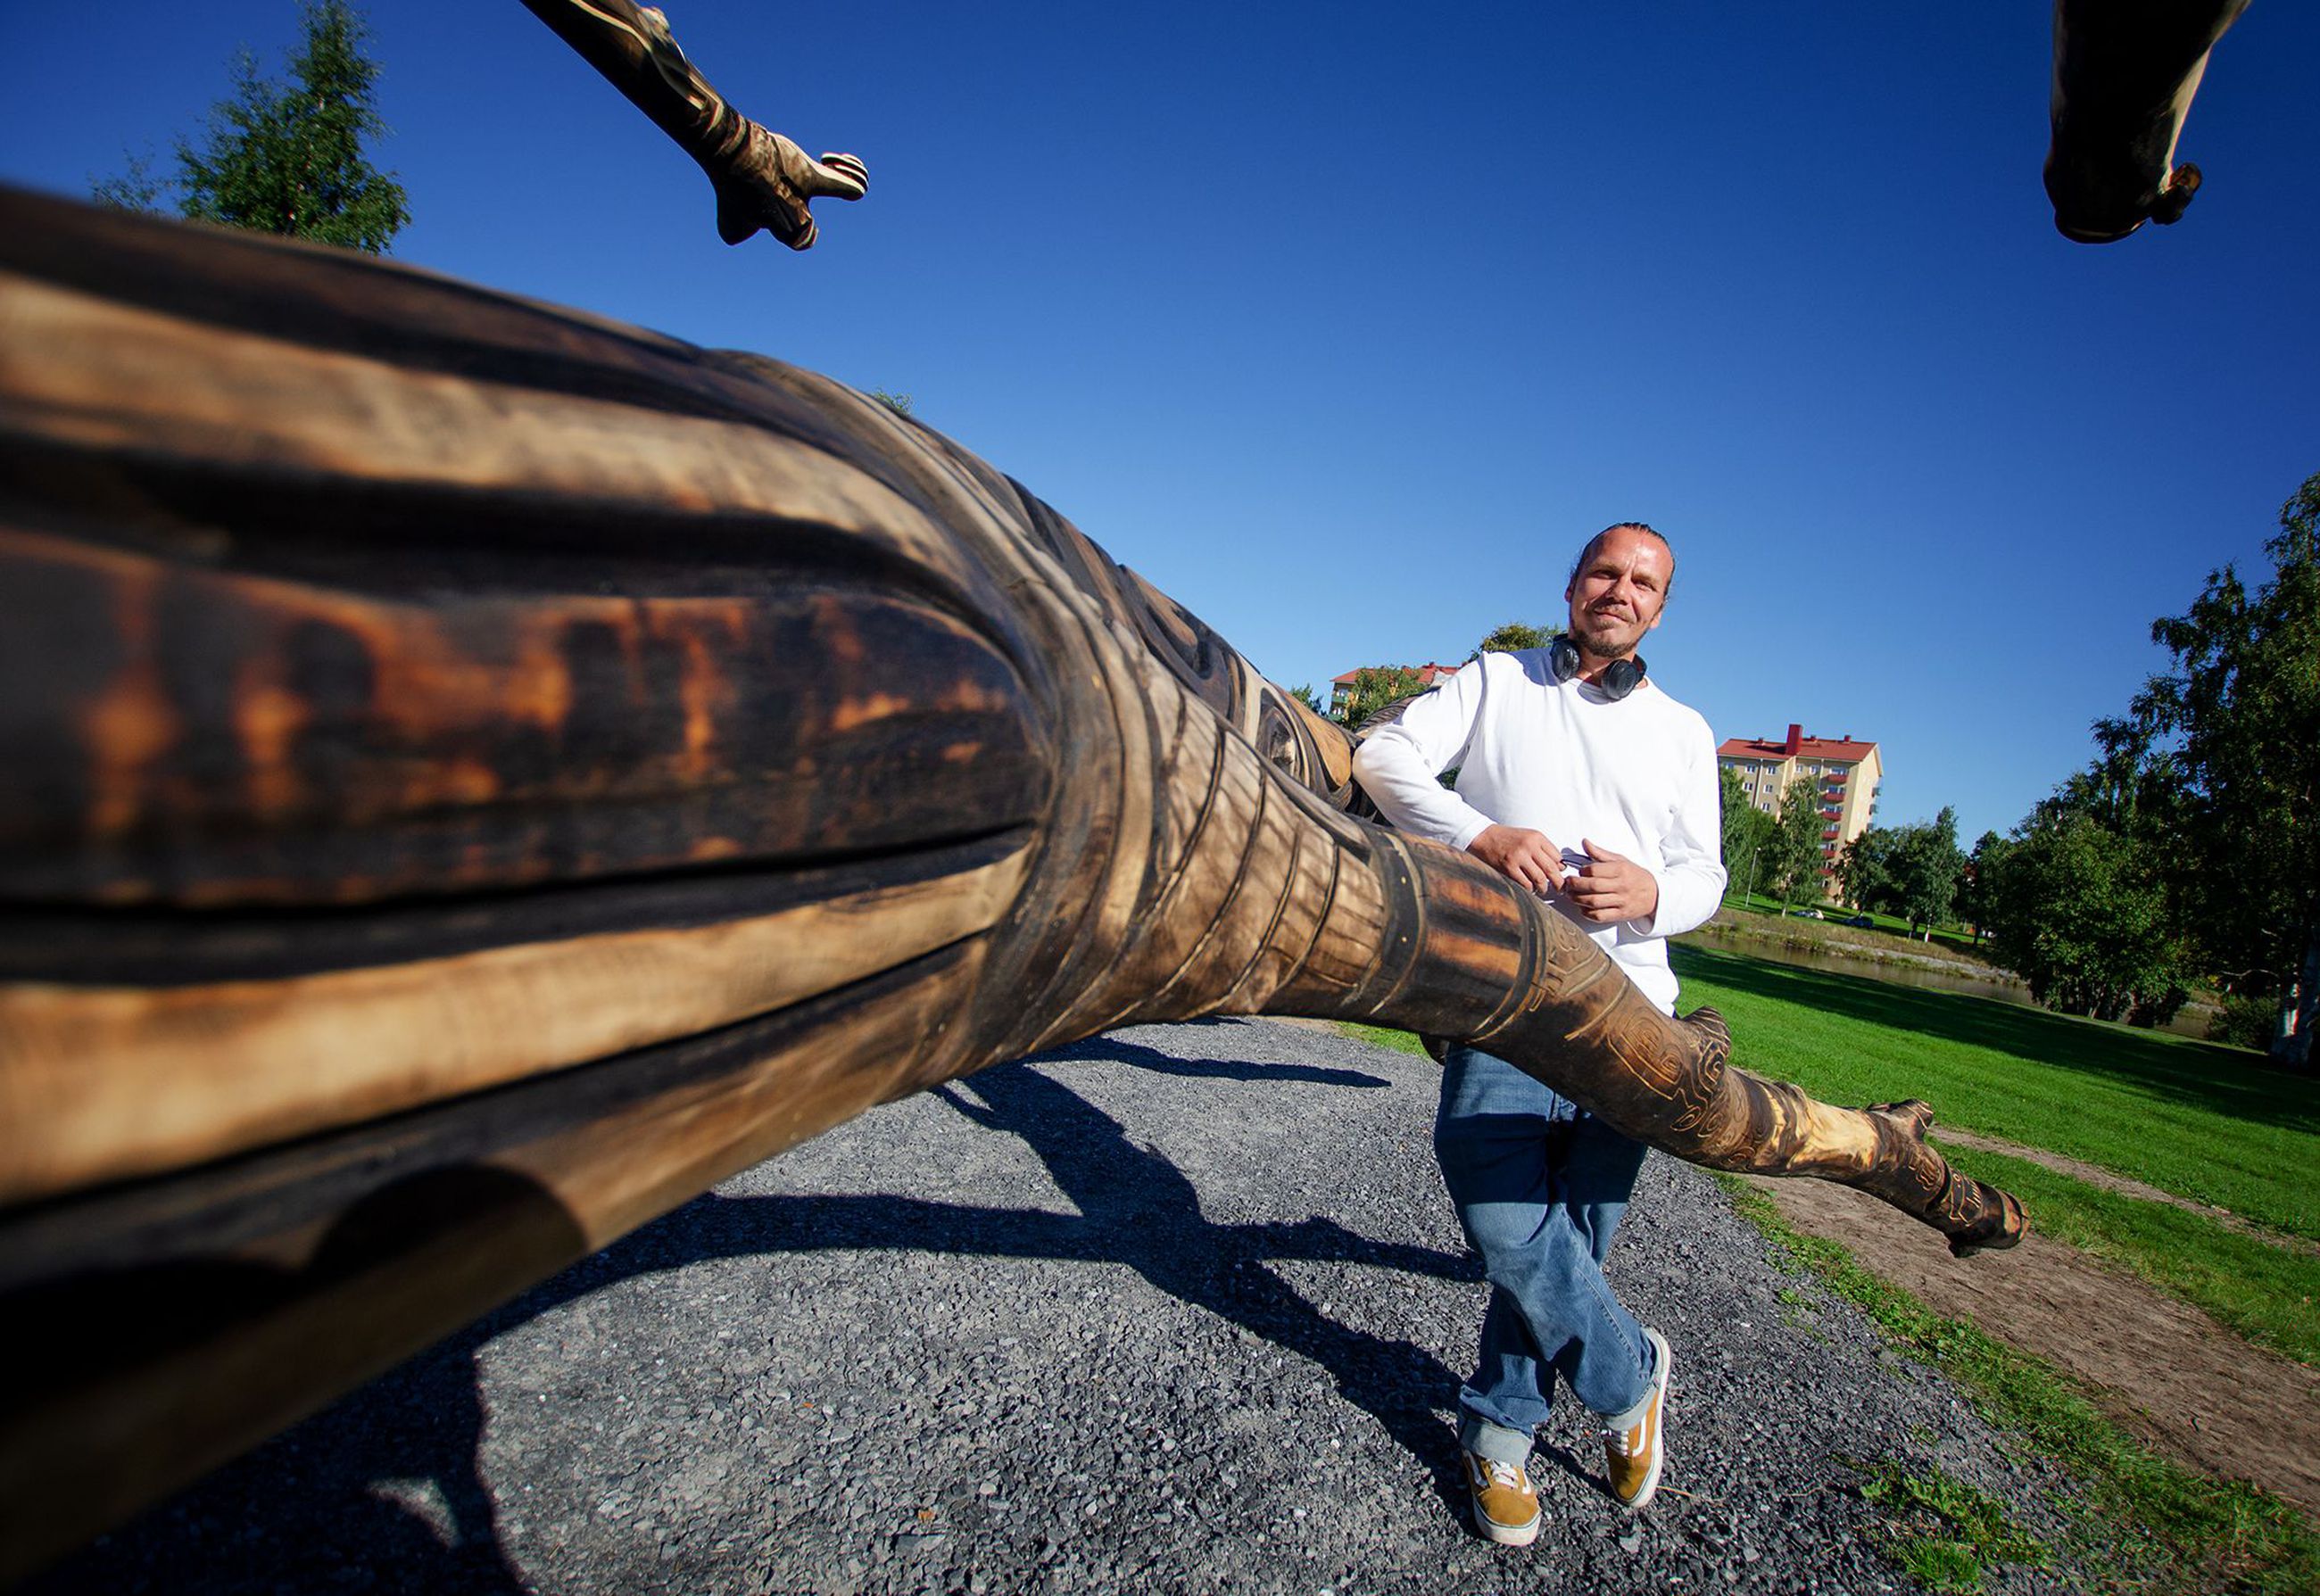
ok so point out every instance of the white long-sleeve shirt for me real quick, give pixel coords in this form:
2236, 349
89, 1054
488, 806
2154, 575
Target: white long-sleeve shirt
1636, 776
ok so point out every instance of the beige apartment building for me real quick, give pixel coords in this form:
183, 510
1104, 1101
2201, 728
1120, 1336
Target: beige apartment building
1844, 772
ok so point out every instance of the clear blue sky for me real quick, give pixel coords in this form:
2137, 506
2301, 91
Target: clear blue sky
1346, 324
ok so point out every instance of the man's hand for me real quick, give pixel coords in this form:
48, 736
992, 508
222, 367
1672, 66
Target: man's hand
1524, 857
1613, 888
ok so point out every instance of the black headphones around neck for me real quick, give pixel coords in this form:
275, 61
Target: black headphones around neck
1620, 678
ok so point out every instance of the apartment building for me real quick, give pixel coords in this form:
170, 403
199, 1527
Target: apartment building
1844, 774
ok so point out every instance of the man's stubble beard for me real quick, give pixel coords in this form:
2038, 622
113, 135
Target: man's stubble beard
1602, 646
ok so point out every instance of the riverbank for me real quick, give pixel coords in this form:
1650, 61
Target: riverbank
1749, 931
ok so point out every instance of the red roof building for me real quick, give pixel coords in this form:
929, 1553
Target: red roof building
1845, 774
1340, 687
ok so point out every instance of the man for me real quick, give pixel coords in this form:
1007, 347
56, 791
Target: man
1581, 780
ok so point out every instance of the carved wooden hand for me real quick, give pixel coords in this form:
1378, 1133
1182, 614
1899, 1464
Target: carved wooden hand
761, 179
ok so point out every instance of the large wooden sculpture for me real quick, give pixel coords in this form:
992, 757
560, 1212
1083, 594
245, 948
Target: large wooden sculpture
476, 776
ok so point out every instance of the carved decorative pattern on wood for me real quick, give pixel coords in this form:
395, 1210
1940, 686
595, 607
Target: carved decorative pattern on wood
477, 775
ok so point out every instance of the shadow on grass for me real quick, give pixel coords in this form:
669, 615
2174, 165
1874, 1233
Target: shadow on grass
2221, 1079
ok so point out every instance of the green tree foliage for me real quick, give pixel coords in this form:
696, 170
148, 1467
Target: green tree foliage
1973, 889
289, 159
1926, 868
2233, 734
900, 404
1303, 693
1914, 871
1375, 687
2079, 909
1792, 859
1513, 635
2246, 1019
139, 188
1865, 870
1749, 833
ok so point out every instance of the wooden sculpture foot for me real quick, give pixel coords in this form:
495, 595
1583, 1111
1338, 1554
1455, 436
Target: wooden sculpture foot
1972, 1216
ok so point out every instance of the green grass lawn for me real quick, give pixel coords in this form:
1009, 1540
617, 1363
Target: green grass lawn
2202, 1121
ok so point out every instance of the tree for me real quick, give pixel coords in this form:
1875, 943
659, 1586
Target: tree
1749, 833
1865, 870
139, 188
1973, 889
1375, 687
288, 157
2233, 731
1303, 693
1514, 635
1792, 859
900, 404
2079, 910
1926, 868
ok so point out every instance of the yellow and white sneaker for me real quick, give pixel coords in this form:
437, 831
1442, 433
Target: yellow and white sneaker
1633, 1454
1506, 1506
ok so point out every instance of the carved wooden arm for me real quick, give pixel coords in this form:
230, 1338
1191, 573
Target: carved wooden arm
761, 179
477, 776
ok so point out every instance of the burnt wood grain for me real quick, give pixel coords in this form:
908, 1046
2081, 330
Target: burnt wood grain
476, 776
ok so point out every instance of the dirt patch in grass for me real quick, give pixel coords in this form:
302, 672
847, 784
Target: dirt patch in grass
2189, 1388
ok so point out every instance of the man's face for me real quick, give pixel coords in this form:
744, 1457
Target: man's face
1618, 594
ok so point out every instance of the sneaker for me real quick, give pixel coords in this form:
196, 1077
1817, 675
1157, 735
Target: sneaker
1506, 1508
1633, 1454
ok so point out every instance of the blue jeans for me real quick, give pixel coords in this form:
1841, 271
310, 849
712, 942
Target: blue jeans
1540, 1185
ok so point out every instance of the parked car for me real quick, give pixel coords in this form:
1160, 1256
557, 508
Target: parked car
1805, 913
1860, 921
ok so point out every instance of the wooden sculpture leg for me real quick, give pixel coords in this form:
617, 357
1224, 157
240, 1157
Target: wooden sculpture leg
1575, 1022
2124, 76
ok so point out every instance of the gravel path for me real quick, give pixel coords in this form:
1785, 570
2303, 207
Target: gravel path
1181, 1309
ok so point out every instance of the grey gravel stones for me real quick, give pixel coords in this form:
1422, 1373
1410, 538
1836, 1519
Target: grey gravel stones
1180, 1309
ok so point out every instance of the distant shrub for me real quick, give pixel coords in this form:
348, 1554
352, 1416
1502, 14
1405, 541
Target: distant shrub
2245, 1020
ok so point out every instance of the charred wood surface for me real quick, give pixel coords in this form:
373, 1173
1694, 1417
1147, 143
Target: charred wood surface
477, 775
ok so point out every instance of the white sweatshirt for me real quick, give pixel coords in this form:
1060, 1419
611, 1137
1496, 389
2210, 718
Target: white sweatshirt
1636, 777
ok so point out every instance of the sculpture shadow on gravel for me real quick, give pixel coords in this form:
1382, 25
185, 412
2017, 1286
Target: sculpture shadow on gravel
384, 1489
